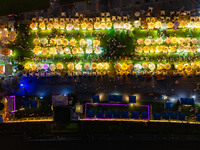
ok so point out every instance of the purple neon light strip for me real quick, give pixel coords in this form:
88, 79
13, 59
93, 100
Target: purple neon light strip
13, 104
114, 105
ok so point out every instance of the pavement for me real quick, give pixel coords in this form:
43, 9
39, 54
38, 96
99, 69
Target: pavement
145, 89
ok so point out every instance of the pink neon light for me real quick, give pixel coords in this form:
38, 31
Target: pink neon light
148, 118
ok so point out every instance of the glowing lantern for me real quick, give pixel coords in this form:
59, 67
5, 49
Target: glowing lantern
62, 25
59, 41
153, 41
165, 49
140, 41
99, 66
183, 24
78, 67
33, 66
36, 41
60, 50
188, 69
152, 66
84, 25
72, 42
97, 50
188, 48
94, 65
194, 66
70, 66
88, 50
76, 26
138, 67
160, 66
65, 42
49, 26
116, 25
82, 42
52, 50
36, 50
197, 24
164, 26
194, 41
180, 67
75, 50
103, 25
194, 48
137, 23
45, 66
147, 41
90, 26
187, 40
42, 26
146, 49
4, 32
181, 40
181, 48
5, 52
27, 66
12, 36
144, 65
176, 24
44, 51
170, 25
121, 25
151, 25
145, 25
80, 50
153, 49
167, 40
159, 48
5, 40
124, 66
138, 49
67, 50
96, 25
191, 24
159, 40
96, 42
43, 41
69, 26
174, 40
59, 66
167, 66
87, 66
158, 24
109, 25
39, 66
117, 66
33, 26
130, 66
89, 42
52, 42
56, 25
52, 67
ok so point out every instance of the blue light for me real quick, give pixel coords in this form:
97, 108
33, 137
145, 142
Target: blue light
41, 97
21, 85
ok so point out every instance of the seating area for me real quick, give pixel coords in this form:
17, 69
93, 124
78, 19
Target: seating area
187, 101
123, 115
112, 110
115, 109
